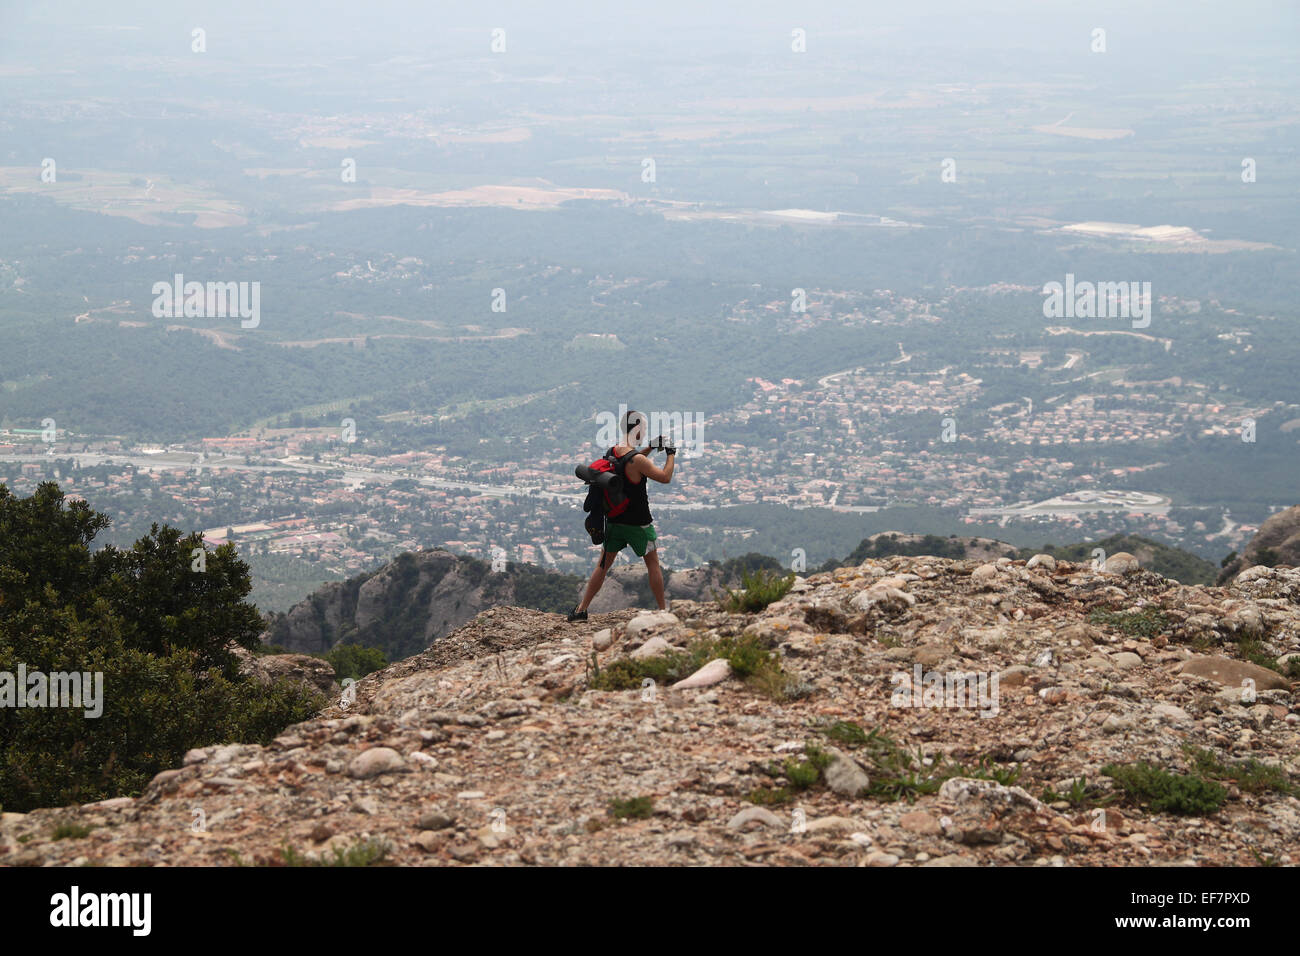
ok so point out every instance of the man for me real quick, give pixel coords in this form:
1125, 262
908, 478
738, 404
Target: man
633, 526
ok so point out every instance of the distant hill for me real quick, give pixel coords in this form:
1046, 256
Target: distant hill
1276, 543
404, 606
889, 543
1181, 566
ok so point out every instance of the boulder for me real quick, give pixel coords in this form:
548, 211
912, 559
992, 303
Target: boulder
1232, 673
1121, 563
641, 627
376, 761
314, 672
843, 774
651, 648
750, 816
714, 672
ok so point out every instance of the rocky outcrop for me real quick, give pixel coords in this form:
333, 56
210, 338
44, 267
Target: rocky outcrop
1276, 543
421, 596
400, 608
493, 746
627, 586
301, 668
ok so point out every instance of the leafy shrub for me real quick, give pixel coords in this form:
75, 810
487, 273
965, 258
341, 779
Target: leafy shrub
759, 589
633, 808
1080, 794
362, 853
750, 660
897, 773
806, 773
349, 660
1250, 774
1252, 649
770, 796
1147, 622
1166, 792
70, 831
156, 629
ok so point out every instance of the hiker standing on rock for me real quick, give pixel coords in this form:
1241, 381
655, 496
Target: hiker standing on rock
632, 525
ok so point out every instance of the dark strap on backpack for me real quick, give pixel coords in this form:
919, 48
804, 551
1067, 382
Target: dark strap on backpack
620, 464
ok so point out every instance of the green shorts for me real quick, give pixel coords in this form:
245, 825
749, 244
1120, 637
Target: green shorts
619, 536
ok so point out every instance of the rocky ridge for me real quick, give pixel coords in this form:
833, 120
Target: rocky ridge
491, 747
1279, 534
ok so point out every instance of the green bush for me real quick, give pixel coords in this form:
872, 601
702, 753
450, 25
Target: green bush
633, 808
363, 853
349, 660
155, 628
71, 831
1250, 775
1166, 792
759, 589
897, 773
1147, 622
758, 666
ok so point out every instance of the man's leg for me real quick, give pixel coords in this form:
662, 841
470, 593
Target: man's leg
656, 578
598, 578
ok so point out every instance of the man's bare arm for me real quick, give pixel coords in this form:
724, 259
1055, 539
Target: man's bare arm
643, 466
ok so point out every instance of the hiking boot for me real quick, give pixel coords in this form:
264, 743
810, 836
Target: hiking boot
576, 615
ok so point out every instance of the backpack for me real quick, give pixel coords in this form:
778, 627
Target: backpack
605, 498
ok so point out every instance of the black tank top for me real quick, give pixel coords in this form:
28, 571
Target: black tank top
637, 511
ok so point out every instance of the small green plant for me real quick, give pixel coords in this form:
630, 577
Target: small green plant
897, 773
806, 773
633, 808
759, 589
1250, 775
1252, 649
848, 733
1263, 860
1165, 792
750, 660
770, 796
1081, 794
365, 853
800, 774
71, 831
986, 769
1147, 622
